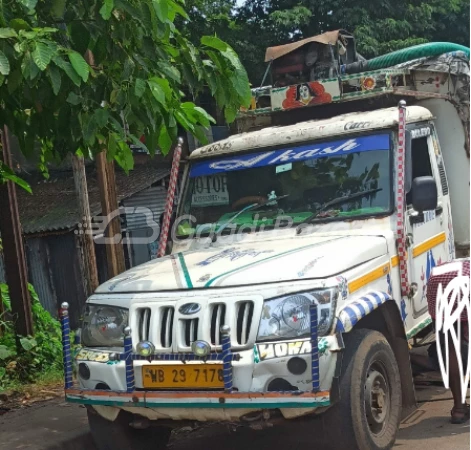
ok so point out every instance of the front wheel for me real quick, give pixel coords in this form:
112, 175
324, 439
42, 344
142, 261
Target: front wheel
368, 413
118, 435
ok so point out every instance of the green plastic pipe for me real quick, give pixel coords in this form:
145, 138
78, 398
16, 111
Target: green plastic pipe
406, 54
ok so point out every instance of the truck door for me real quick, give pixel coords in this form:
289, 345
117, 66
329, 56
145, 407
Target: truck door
428, 232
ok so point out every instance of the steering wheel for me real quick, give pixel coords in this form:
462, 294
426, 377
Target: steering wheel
247, 201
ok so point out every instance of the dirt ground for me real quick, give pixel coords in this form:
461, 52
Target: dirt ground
54, 425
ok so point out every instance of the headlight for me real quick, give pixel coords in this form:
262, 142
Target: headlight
104, 326
289, 317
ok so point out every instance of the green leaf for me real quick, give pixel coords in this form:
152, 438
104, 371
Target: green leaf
55, 78
170, 72
161, 9
4, 294
5, 352
107, 9
28, 343
74, 99
19, 24
89, 129
242, 87
230, 113
214, 42
101, 117
30, 4
164, 84
79, 65
201, 135
42, 55
204, 118
165, 142
68, 69
28, 67
2, 372
14, 80
6, 33
58, 9
4, 64
157, 92
139, 87
124, 156
178, 9
8, 175
112, 147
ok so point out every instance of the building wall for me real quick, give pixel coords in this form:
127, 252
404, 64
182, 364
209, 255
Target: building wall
54, 271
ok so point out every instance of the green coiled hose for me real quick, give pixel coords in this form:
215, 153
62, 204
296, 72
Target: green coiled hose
404, 55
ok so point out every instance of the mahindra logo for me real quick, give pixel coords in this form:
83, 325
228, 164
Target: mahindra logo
189, 308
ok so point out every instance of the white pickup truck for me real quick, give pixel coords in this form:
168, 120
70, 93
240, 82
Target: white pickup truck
300, 256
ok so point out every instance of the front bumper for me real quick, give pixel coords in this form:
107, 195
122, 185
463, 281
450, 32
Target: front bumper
246, 377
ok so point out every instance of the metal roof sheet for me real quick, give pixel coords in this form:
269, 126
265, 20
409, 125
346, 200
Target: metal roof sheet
53, 206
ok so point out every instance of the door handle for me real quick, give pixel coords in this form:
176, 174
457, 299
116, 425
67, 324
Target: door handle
417, 217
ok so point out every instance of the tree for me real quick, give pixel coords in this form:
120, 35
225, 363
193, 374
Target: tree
380, 27
92, 75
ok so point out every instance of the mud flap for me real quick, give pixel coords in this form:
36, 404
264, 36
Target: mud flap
401, 350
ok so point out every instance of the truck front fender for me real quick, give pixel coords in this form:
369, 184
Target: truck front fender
378, 311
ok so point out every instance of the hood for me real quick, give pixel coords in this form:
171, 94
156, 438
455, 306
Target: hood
251, 263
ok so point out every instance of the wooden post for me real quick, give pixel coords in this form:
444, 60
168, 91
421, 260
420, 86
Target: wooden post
84, 232
13, 249
109, 204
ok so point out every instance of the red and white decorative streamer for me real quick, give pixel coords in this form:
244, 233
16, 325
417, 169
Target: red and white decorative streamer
170, 199
400, 200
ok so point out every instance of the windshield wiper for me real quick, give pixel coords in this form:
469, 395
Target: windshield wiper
247, 208
338, 201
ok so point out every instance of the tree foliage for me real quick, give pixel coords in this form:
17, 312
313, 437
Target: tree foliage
89, 75
379, 26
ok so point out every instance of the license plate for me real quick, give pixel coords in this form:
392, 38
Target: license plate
187, 376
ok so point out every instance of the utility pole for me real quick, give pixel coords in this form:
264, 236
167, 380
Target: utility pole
109, 204
13, 249
84, 232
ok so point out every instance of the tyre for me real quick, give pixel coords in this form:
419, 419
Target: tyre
118, 435
368, 413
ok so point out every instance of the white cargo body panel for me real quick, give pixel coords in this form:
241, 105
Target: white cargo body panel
451, 135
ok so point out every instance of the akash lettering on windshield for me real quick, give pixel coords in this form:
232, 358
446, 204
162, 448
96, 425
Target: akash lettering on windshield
302, 153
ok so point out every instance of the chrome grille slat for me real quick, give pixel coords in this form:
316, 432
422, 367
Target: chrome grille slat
244, 321
218, 316
190, 331
166, 324
144, 324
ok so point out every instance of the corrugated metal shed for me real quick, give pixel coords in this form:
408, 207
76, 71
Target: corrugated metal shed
39, 274
152, 199
53, 206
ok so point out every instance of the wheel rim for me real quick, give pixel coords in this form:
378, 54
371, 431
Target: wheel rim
377, 398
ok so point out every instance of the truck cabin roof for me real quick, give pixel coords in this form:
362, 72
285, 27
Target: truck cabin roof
311, 130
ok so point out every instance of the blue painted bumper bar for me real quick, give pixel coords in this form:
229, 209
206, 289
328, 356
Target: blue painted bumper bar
227, 357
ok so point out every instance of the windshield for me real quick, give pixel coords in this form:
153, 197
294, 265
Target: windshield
294, 183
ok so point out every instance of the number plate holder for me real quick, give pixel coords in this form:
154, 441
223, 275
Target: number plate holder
183, 376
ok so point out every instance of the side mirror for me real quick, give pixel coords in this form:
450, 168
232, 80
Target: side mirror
424, 194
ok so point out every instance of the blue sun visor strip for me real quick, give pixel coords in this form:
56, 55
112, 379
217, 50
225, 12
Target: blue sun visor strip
313, 150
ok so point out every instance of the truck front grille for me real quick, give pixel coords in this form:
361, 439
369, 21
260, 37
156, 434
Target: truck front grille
170, 330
